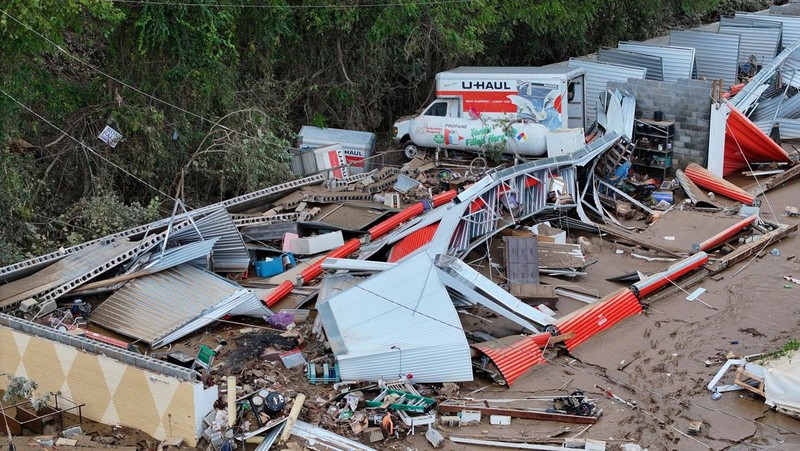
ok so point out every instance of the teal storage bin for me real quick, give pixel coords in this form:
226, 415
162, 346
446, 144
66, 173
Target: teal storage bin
274, 266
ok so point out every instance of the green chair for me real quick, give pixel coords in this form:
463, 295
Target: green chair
204, 359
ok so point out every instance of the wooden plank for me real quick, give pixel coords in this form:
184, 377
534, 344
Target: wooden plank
747, 250
742, 378
560, 256
628, 238
775, 180
517, 413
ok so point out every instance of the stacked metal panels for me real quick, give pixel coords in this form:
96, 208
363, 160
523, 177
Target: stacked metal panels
790, 25
620, 57
229, 252
597, 77
763, 43
717, 55
677, 62
69, 272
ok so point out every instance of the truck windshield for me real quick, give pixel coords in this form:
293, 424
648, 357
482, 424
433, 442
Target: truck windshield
437, 109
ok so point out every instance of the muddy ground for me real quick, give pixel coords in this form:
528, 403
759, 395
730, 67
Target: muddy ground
666, 378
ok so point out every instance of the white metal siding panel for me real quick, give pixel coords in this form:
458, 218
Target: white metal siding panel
717, 55
597, 77
761, 42
790, 69
791, 25
677, 62
625, 58
397, 322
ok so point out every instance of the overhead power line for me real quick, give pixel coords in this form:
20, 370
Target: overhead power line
128, 85
81, 143
323, 6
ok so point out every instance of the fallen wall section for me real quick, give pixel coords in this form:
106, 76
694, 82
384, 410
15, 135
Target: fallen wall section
113, 392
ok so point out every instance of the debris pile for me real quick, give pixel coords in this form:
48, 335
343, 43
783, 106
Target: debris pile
351, 311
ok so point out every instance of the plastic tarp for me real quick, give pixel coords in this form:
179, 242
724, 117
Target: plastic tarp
782, 383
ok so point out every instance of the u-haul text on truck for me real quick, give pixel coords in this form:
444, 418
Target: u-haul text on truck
513, 107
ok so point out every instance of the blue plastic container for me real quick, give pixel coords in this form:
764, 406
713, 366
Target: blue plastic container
274, 266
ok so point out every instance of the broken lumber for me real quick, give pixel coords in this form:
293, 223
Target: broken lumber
775, 180
292, 419
519, 413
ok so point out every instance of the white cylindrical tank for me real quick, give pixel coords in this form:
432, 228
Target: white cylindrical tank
522, 138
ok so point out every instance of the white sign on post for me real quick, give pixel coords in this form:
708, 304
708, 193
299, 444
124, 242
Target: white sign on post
110, 136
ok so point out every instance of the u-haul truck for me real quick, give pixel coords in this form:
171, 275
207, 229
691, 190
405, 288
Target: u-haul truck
511, 107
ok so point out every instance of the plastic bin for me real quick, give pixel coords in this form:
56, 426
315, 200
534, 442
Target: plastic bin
273, 266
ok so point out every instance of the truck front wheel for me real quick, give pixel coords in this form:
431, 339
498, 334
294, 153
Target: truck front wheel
410, 150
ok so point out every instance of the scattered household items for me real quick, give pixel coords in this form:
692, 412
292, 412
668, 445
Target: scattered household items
350, 307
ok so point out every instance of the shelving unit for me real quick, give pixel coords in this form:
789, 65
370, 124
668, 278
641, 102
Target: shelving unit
653, 151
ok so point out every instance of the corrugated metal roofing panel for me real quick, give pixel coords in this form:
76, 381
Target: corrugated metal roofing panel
412, 242
789, 128
677, 62
397, 322
151, 307
766, 109
747, 22
178, 255
717, 55
790, 70
229, 253
791, 25
513, 355
759, 84
762, 43
237, 203
625, 58
78, 267
790, 108
597, 77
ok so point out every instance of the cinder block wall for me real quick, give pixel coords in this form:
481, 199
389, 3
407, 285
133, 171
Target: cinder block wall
687, 102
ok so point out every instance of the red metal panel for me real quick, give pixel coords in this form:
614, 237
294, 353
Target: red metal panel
351, 246
314, 271
513, 356
671, 274
745, 142
415, 210
703, 177
599, 316
279, 293
412, 242
726, 234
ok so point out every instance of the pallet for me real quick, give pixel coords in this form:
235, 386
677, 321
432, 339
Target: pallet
749, 381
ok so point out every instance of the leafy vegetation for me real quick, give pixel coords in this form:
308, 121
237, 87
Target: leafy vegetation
212, 95
789, 349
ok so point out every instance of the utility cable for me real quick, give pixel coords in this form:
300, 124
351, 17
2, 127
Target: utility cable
84, 146
323, 6
128, 85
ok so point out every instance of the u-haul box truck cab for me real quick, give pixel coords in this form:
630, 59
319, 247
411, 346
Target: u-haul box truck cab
511, 106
